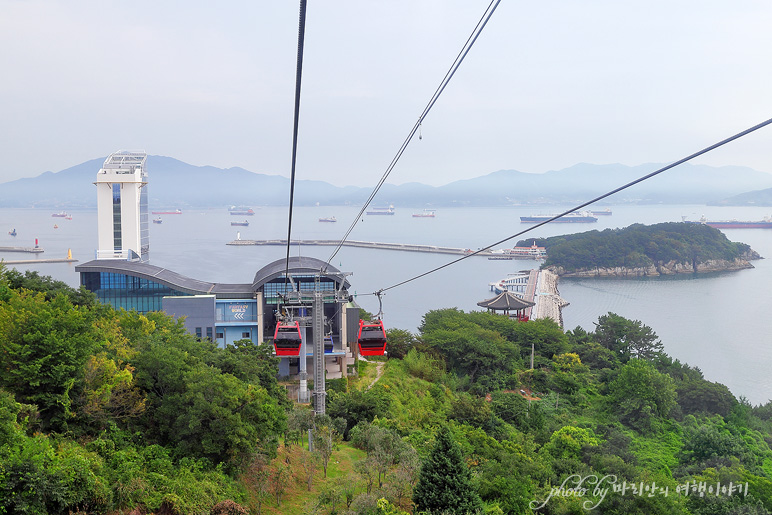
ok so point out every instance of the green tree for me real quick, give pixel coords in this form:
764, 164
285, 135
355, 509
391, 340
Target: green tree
484, 357
325, 440
444, 484
252, 363
641, 395
200, 410
399, 342
627, 338
701, 396
32, 280
44, 346
357, 406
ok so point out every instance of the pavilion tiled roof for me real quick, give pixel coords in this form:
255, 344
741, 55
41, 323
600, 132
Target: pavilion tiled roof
505, 301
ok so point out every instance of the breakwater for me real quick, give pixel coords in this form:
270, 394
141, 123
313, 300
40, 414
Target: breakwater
31, 250
35, 261
406, 247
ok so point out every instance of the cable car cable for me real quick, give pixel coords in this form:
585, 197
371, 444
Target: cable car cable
580, 206
443, 84
298, 77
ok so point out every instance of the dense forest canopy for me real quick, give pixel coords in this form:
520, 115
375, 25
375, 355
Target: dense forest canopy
639, 246
105, 411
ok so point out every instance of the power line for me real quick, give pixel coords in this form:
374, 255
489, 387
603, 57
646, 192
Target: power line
585, 204
298, 77
443, 84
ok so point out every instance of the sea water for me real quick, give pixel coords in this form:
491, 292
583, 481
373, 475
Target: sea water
720, 323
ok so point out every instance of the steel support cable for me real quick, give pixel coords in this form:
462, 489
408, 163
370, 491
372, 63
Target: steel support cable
585, 204
443, 84
298, 77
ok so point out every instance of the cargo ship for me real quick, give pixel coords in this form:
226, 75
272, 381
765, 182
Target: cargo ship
381, 211
175, 212
328, 219
60, 214
575, 217
241, 211
427, 213
605, 212
245, 223
765, 223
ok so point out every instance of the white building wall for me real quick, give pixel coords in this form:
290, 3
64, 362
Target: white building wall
126, 169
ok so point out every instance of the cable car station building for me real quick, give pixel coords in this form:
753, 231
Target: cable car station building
122, 277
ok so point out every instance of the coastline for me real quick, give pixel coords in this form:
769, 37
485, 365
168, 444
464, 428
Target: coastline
671, 268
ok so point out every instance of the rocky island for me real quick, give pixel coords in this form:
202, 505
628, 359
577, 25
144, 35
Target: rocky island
645, 251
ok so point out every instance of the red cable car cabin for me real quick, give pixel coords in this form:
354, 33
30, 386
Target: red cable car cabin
287, 339
371, 338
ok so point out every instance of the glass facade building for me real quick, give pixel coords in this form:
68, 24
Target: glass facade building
305, 283
126, 291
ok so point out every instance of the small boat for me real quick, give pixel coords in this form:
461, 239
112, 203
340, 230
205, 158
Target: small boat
328, 219
427, 213
245, 223
158, 220
381, 211
60, 214
12, 232
56, 226
175, 212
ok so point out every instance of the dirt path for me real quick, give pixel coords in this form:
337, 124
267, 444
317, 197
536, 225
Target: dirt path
378, 373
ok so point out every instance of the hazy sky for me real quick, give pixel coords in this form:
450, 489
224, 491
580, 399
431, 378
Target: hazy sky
548, 84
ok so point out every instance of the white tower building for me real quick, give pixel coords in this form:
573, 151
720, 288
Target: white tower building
122, 207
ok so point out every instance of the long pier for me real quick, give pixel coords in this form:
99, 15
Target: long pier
35, 261
406, 247
549, 303
33, 250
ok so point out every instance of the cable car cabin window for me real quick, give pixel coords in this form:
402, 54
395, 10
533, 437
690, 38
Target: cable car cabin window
287, 339
372, 338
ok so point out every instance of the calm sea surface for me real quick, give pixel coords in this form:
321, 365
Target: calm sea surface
721, 323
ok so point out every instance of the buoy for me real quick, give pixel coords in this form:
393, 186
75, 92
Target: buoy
69, 253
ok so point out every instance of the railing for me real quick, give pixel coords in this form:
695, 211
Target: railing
112, 254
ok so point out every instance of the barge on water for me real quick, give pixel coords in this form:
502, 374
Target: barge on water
765, 223
574, 217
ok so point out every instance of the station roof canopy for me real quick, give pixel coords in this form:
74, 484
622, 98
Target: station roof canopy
505, 301
158, 274
297, 265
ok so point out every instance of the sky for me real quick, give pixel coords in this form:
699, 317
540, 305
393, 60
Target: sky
547, 85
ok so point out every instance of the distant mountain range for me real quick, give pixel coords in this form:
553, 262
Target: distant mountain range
173, 184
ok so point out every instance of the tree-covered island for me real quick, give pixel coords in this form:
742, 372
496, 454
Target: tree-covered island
644, 250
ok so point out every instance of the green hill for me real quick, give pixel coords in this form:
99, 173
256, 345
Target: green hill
115, 412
